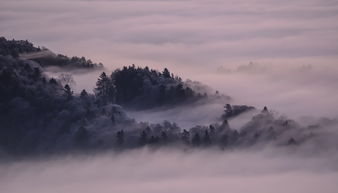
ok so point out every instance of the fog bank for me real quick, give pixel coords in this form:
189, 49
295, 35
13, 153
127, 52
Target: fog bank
174, 171
196, 38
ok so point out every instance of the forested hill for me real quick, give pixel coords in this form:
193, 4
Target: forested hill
38, 115
137, 87
26, 50
16, 47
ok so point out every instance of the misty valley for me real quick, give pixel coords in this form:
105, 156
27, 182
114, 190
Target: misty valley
139, 119
43, 115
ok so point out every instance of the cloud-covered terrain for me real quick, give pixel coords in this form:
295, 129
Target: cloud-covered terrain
194, 38
169, 171
193, 33
279, 54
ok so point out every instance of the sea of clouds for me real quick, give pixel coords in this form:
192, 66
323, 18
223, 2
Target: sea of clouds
260, 52
169, 171
271, 53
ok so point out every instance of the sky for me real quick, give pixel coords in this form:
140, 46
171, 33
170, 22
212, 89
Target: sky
261, 52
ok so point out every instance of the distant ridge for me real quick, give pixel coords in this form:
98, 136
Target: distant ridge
25, 50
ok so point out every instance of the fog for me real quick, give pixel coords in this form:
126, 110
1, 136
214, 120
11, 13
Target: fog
181, 34
294, 44
278, 54
175, 171
295, 90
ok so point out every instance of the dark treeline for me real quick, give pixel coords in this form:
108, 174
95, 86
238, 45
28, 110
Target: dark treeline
16, 47
38, 115
26, 50
63, 61
235, 110
138, 87
261, 129
35, 110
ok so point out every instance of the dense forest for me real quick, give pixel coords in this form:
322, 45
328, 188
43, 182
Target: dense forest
16, 47
39, 115
66, 62
26, 50
138, 87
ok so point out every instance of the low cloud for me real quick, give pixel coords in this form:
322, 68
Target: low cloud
293, 89
262, 53
194, 38
174, 171
192, 33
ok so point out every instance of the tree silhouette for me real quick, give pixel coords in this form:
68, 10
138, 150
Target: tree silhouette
83, 94
68, 92
196, 140
166, 73
105, 90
